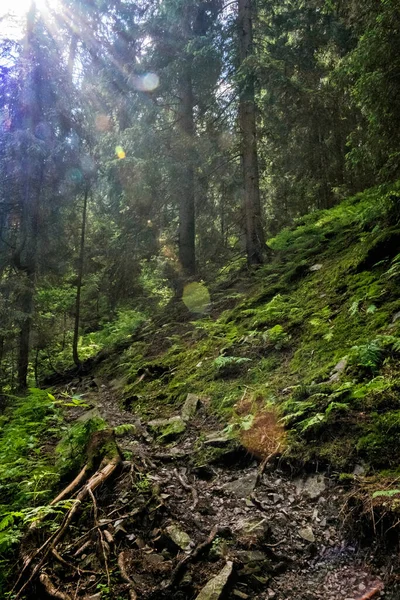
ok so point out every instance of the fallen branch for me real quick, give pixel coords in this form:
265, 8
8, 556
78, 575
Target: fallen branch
263, 466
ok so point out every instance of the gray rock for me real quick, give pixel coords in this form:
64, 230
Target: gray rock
359, 470
214, 588
396, 316
316, 267
190, 407
217, 438
307, 534
168, 429
338, 370
179, 537
250, 556
89, 414
242, 487
313, 485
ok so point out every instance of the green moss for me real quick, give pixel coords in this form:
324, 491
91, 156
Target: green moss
289, 326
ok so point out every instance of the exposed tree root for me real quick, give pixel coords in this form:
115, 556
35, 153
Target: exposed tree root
50, 588
189, 488
109, 464
79, 479
178, 572
125, 576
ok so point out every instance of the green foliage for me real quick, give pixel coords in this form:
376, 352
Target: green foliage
26, 470
125, 429
71, 450
277, 337
221, 362
367, 356
385, 493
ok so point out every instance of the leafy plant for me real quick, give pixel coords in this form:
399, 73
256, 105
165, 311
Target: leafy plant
368, 356
276, 336
385, 493
124, 429
226, 361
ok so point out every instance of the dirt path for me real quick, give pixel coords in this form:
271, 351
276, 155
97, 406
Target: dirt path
268, 538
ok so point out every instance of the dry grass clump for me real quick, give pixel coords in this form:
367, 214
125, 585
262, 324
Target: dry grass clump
266, 434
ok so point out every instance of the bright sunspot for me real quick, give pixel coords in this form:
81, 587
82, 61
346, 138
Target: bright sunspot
13, 14
19, 8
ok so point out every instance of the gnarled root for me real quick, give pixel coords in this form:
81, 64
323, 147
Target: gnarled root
110, 462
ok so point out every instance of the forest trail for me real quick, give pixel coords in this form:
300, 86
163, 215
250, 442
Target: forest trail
175, 523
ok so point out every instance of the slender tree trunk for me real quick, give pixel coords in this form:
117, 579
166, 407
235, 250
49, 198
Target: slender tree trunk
30, 219
75, 354
255, 241
26, 306
187, 254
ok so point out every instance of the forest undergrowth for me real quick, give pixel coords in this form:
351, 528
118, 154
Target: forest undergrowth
295, 365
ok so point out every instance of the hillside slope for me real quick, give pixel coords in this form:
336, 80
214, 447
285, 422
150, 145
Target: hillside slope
313, 336
295, 365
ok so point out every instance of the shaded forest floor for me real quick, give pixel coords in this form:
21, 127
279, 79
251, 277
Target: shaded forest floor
169, 524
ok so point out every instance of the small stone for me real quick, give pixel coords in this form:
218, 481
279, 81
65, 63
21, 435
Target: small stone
307, 534
218, 439
250, 556
316, 267
239, 594
168, 429
359, 470
179, 537
242, 487
313, 485
190, 407
338, 370
215, 587
396, 316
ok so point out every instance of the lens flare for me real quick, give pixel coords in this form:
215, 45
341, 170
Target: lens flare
147, 83
120, 152
196, 297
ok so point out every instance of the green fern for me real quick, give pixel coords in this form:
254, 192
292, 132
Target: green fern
385, 493
368, 356
226, 361
124, 429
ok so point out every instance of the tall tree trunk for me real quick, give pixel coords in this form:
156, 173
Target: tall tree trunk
187, 253
75, 354
30, 217
255, 241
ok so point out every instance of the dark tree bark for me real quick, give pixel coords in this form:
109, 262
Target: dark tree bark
75, 354
255, 241
187, 253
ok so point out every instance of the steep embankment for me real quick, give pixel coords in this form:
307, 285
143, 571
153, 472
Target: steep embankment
313, 337
296, 365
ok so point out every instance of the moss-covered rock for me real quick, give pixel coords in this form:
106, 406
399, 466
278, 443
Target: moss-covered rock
168, 429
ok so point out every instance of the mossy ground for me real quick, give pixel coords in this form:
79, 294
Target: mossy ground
331, 290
